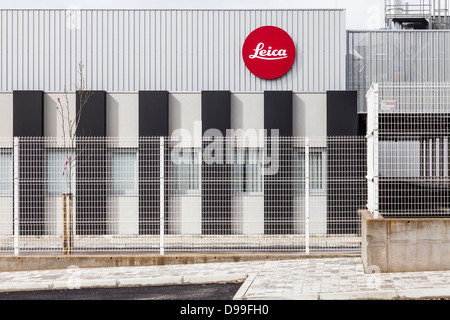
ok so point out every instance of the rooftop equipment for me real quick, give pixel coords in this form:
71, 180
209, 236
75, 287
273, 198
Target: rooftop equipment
417, 14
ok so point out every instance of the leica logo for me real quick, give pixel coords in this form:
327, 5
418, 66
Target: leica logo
268, 54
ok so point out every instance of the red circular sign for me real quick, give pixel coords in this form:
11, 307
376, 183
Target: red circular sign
269, 52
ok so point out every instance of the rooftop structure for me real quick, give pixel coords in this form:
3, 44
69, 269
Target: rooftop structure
417, 14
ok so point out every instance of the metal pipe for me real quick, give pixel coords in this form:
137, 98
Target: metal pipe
439, 12
446, 13
433, 18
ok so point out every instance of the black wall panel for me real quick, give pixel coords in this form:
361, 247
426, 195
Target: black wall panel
28, 113
278, 112
216, 111
346, 170
28, 121
216, 177
342, 113
91, 166
278, 203
93, 115
153, 113
153, 124
362, 124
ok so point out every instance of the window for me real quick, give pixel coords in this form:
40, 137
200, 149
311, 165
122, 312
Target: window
185, 171
6, 172
123, 173
58, 176
317, 158
248, 171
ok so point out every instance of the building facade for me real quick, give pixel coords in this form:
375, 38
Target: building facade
185, 76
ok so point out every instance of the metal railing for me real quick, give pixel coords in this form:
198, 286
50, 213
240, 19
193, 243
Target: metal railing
422, 8
436, 12
166, 195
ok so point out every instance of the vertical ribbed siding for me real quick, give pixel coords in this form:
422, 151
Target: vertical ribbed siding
175, 50
376, 56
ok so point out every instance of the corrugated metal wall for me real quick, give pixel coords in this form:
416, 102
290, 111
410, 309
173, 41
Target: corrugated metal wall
175, 50
396, 56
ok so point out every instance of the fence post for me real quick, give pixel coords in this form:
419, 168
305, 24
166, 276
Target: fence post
161, 195
16, 196
307, 195
375, 174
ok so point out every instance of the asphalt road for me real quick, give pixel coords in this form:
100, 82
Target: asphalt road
186, 292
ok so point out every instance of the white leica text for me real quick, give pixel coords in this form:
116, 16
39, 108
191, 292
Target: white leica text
268, 54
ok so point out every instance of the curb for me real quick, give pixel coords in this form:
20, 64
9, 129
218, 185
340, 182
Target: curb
361, 295
119, 282
240, 294
388, 294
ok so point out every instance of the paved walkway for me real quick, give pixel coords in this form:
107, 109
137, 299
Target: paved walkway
327, 279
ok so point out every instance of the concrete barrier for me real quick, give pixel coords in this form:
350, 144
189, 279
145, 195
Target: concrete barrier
405, 245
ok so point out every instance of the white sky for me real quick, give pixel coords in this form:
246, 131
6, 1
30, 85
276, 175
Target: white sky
367, 14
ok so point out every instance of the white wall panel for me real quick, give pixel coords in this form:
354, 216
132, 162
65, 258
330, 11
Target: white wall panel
6, 118
310, 115
52, 116
122, 117
185, 119
175, 50
247, 111
6, 223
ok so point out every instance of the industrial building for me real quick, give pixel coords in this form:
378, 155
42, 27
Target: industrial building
171, 85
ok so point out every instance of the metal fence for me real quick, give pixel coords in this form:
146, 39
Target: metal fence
408, 150
173, 195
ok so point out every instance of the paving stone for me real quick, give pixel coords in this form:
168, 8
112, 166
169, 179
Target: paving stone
294, 278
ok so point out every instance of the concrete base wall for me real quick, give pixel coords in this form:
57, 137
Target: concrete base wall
405, 245
42, 262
